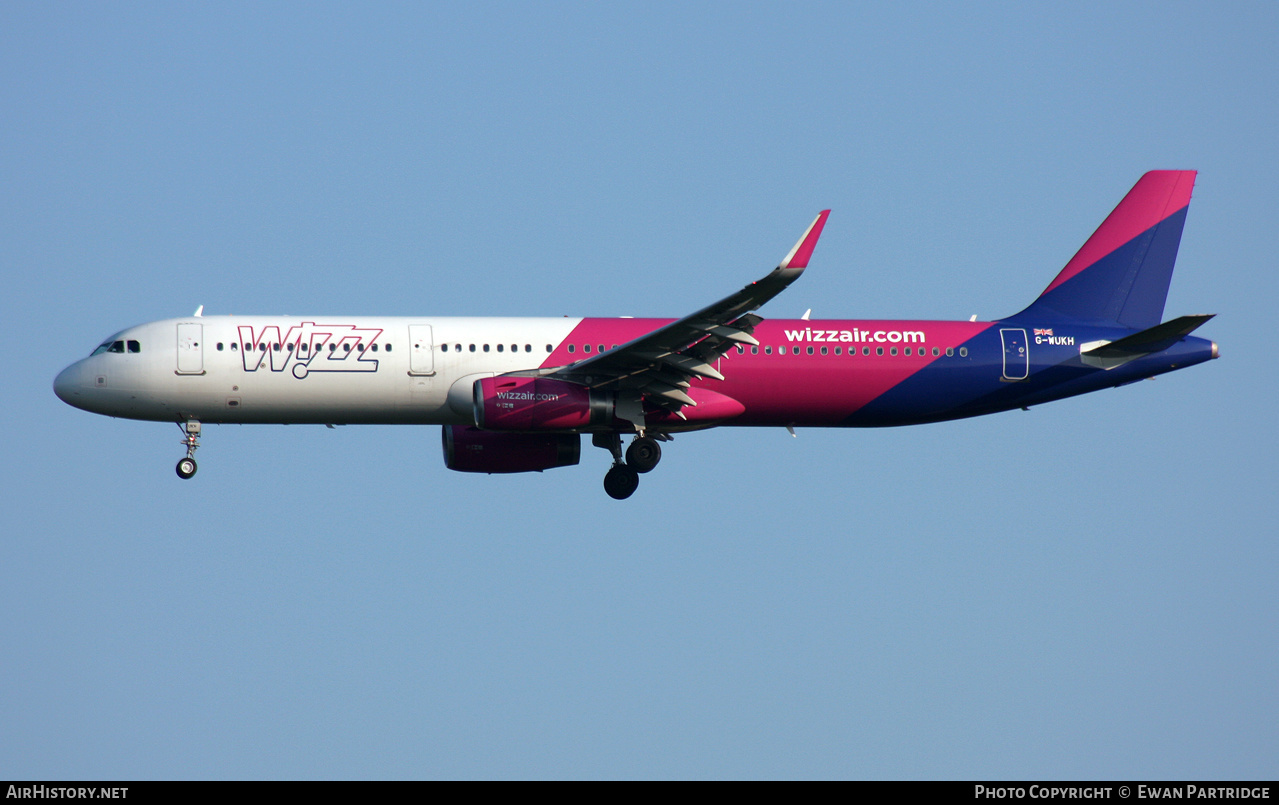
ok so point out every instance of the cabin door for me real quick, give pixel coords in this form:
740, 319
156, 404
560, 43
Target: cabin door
421, 350
1016, 355
190, 349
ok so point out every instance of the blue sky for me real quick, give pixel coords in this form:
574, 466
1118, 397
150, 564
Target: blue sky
1083, 591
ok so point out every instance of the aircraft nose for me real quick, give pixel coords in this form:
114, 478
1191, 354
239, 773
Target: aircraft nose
67, 383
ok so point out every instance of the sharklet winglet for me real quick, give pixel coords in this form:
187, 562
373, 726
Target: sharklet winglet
803, 249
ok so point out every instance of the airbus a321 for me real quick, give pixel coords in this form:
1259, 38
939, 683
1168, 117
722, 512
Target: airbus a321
518, 394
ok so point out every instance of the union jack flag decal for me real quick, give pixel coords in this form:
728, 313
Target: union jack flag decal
1043, 332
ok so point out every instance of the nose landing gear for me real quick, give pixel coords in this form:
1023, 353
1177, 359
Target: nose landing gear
187, 466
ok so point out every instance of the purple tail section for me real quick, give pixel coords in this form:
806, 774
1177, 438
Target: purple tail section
1121, 274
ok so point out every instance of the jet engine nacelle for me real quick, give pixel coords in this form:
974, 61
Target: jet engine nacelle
539, 403
468, 449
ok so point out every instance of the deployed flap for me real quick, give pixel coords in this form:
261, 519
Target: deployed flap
685, 349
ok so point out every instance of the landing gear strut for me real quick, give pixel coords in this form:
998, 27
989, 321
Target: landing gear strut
642, 455
187, 466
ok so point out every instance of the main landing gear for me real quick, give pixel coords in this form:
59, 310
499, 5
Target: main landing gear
642, 455
187, 466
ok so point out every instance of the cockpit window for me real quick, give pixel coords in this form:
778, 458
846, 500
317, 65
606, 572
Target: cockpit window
116, 347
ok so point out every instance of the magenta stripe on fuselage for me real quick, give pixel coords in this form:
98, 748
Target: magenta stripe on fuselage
783, 388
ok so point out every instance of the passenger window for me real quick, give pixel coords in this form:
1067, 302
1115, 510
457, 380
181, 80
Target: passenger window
233, 345
906, 352
276, 347
586, 347
950, 352
810, 350
570, 349
893, 352
934, 352
549, 349
359, 347
219, 346
601, 347
754, 350
486, 347
963, 352
472, 347
768, 350
515, 347
134, 346
388, 347
499, 347
865, 350
879, 350
837, 352
824, 351
796, 350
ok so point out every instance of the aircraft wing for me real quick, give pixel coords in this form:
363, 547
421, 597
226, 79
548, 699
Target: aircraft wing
660, 365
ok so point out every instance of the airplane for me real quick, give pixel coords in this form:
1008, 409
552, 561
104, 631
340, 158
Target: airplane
517, 394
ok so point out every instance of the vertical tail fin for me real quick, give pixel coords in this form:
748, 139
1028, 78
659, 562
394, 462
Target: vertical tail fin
1121, 274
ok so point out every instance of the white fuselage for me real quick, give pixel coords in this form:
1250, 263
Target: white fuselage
326, 370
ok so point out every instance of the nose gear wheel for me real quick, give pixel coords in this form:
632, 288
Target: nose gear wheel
187, 466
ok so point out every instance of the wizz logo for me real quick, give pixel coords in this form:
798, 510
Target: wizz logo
310, 347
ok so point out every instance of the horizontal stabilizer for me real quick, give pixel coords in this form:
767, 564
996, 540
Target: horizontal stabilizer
1157, 338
